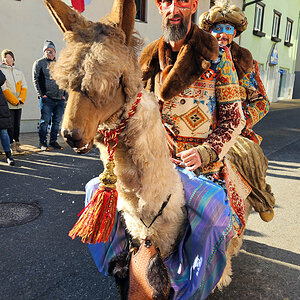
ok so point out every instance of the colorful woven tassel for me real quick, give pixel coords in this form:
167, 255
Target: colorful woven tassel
97, 218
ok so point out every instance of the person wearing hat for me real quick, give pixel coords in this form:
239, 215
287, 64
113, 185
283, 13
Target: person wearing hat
52, 99
225, 22
15, 91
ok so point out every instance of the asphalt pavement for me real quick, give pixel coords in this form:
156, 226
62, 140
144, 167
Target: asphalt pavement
39, 261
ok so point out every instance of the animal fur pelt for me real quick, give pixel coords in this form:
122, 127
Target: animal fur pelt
141, 275
242, 58
192, 61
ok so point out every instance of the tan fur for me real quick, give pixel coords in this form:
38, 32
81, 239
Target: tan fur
147, 176
96, 59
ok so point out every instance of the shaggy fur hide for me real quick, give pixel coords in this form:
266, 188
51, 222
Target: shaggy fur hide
192, 61
142, 158
242, 58
156, 274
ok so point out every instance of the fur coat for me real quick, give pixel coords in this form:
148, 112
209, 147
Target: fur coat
192, 61
242, 58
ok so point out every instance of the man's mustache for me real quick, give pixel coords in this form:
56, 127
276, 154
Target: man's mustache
173, 17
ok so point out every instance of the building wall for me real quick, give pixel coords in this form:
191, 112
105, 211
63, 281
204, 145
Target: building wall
27, 23
261, 47
296, 92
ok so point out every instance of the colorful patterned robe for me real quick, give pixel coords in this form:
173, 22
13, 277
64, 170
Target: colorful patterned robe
255, 102
208, 112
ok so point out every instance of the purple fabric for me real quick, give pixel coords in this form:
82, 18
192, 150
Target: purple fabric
198, 263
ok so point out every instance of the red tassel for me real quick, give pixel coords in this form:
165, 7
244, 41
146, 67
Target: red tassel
97, 219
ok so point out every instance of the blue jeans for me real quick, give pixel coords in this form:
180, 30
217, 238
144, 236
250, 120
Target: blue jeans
51, 110
5, 140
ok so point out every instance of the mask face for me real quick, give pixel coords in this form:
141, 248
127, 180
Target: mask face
182, 4
226, 28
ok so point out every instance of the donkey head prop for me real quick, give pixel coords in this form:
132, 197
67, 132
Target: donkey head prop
98, 68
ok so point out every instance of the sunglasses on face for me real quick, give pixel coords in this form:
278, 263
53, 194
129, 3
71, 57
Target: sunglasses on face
226, 28
184, 4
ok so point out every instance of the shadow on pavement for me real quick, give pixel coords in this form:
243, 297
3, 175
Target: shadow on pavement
262, 272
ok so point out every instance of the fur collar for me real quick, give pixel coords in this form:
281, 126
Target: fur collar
242, 58
192, 61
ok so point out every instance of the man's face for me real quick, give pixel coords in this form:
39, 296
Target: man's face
176, 18
50, 53
224, 33
8, 60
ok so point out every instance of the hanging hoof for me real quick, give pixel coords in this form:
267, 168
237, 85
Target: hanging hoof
267, 216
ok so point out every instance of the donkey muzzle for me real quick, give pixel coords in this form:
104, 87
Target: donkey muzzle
75, 138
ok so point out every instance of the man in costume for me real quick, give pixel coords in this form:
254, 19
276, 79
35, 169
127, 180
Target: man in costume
196, 84
226, 22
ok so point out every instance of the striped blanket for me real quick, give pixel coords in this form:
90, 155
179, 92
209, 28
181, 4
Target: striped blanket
198, 263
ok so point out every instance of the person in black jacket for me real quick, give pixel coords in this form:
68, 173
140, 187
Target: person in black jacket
5, 123
52, 99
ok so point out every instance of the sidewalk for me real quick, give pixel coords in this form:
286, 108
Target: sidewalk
30, 144
285, 104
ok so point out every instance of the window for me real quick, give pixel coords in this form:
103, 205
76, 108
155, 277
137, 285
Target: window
288, 32
194, 16
212, 3
140, 10
258, 19
276, 26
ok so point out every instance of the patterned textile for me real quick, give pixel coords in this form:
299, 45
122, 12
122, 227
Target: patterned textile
248, 157
256, 105
207, 112
237, 189
198, 263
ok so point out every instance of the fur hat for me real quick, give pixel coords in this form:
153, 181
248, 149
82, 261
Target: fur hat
7, 51
48, 44
222, 11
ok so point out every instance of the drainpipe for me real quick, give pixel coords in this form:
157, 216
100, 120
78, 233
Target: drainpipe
249, 3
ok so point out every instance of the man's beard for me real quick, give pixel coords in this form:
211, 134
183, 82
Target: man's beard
175, 32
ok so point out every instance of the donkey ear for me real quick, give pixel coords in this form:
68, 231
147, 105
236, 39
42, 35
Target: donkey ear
63, 15
123, 15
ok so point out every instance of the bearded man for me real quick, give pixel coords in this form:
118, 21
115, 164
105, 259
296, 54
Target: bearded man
196, 84
197, 87
225, 22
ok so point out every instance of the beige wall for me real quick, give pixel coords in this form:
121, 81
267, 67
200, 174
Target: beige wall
26, 24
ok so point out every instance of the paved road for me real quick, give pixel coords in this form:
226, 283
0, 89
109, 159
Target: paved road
39, 261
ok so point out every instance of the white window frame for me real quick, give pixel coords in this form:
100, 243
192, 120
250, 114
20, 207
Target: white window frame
276, 24
288, 30
259, 15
